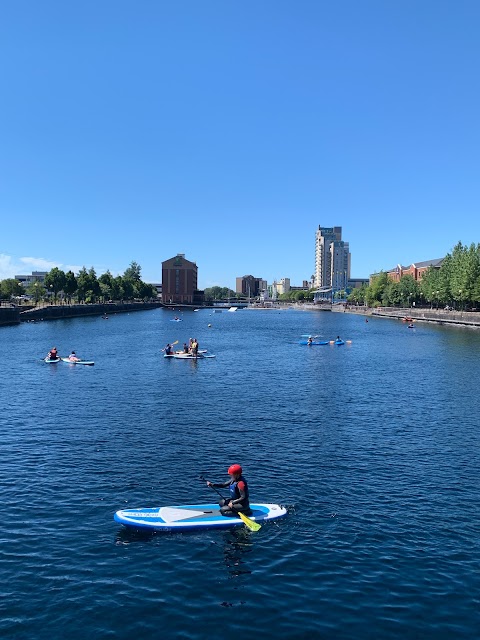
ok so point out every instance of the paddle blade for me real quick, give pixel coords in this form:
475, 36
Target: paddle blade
176, 342
251, 524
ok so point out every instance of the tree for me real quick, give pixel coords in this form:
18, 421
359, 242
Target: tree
133, 272
106, 285
408, 290
70, 286
9, 288
37, 290
375, 292
55, 281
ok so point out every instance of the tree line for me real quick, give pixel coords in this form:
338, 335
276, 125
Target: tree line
455, 283
83, 287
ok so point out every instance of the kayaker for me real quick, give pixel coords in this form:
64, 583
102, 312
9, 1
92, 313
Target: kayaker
237, 485
310, 340
52, 354
73, 357
168, 350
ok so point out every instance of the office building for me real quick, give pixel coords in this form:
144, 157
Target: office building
179, 281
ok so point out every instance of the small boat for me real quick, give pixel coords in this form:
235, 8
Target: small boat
50, 361
339, 342
314, 342
189, 517
89, 363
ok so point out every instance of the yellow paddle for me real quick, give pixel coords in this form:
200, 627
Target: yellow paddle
251, 524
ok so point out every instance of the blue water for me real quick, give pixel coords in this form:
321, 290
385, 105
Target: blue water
373, 446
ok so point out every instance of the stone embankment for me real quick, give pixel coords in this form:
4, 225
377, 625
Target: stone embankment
15, 315
437, 316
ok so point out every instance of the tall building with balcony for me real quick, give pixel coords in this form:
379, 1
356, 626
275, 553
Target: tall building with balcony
179, 281
332, 259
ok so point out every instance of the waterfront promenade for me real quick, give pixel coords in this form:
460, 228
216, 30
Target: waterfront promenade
437, 316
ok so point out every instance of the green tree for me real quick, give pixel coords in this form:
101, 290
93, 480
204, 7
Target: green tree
430, 285
409, 290
83, 284
55, 281
37, 291
128, 287
106, 285
117, 288
375, 292
70, 286
133, 272
9, 288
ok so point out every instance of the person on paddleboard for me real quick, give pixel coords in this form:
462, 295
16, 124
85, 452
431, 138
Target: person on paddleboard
239, 498
52, 354
195, 347
73, 357
185, 347
168, 350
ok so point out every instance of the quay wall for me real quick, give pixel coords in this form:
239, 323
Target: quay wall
9, 315
437, 316
57, 312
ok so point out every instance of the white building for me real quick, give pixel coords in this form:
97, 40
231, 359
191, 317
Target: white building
36, 276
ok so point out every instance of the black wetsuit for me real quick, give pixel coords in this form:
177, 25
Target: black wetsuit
239, 495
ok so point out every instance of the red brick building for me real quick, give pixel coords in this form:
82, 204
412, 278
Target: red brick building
179, 281
416, 270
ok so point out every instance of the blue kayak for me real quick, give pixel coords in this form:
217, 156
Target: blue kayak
192, 516
339, 342
315, 343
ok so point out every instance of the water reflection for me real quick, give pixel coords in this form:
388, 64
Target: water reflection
238, 543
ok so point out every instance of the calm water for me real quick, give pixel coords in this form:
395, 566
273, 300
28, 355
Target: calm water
373, 446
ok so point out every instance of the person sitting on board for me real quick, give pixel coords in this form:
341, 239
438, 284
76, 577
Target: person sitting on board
168, 350
73, 357
52, 354
310, 340
185, 348
237, 485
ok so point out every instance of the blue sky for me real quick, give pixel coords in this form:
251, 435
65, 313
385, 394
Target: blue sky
230, 130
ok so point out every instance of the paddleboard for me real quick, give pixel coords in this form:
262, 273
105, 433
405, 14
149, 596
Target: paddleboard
192, 516
87, 362
314, 343
50, 361
188, 356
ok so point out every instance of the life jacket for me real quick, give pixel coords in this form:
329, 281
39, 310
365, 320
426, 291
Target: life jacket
235, 493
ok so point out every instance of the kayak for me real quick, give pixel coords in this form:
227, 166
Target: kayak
314, 343
192, 516
50, 361
87, 362
339, 342
176, 320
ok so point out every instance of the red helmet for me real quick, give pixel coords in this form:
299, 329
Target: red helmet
235, 468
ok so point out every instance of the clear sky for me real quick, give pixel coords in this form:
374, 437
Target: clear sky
229, 130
